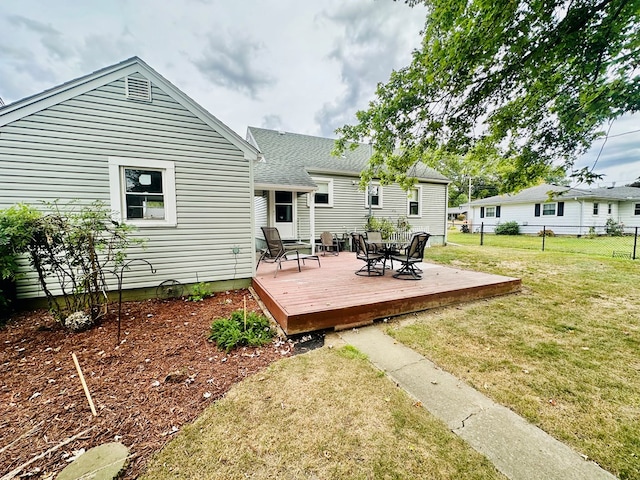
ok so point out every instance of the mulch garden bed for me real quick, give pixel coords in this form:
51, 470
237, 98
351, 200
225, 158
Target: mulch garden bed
161, 375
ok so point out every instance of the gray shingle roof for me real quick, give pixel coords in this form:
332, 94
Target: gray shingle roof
540, 193
290, 158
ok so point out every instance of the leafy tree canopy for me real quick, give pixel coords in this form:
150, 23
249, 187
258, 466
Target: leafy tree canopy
518, 87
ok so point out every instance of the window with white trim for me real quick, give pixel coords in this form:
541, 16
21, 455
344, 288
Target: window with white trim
596, 208
374, 191
490, 212
323, 196
143, 192
414, 203
609, 208
636, 210
549, 209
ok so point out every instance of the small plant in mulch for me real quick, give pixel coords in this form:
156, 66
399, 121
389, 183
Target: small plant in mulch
241, 329
199, 292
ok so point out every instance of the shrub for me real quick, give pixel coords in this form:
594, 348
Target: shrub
75, 249
229, 333
507, 228
465, 228
382, 225
403, 225
17, 225
547, 233
613, 228
199, 292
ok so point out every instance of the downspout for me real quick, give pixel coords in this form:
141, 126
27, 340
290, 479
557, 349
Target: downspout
581, 202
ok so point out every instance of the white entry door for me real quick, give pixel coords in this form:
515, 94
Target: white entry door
284, 214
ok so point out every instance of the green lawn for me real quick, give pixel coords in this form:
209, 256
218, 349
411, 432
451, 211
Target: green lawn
564, 353
326, 414
599, 245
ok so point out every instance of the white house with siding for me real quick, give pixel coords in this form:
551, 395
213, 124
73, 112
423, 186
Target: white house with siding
128, 137
303, 190
565, 210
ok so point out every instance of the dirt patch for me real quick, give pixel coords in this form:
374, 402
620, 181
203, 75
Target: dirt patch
162, 374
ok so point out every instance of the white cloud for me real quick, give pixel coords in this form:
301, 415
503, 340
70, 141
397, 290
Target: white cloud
295, 65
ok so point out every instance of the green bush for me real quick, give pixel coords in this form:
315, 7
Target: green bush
613, 228
17, 226
383, 225
508, 228
199, 292
229, 333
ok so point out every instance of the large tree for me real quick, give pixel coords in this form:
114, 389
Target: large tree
517, 86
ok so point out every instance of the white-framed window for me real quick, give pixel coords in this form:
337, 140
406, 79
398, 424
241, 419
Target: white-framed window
549, 209
490, 212
636, 209
414, 202
323, 196
596, 208
143, 192
374, 191
609, 208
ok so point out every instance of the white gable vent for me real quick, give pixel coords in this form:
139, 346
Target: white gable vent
138, 89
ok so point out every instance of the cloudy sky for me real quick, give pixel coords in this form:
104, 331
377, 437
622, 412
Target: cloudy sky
300, 66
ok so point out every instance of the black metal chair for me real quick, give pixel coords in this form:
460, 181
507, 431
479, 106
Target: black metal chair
414, 253
276, 252
371, 258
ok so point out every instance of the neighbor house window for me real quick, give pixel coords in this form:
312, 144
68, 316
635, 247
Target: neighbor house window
414, 204
375, 193
323, 196
549, 209
609, 208
595, 208
636, 211
490, 212
143, 191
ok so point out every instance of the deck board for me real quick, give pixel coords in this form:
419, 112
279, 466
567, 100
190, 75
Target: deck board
332, 296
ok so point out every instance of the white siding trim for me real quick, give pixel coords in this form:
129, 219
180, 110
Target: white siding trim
169, 189
329, 182
380, 205
420, 202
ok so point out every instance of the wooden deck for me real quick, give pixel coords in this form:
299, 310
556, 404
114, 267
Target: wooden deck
332, 296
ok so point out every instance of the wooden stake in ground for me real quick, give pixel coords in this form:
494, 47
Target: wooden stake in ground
245, 312
84, 385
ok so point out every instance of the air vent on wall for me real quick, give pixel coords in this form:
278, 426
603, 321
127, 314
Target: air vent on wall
138, 89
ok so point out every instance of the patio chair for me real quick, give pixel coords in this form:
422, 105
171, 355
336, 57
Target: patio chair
276, 252
414, 253
374, 240
329, 243
365, 253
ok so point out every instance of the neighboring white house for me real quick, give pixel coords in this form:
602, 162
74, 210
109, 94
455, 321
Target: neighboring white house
128, 137
565, 210
303, 190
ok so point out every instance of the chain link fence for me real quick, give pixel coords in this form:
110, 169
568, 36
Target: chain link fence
620, 241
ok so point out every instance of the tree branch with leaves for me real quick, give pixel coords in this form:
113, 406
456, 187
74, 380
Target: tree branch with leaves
520, 86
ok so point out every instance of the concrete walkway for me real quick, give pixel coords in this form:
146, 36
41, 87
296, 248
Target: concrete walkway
517, 448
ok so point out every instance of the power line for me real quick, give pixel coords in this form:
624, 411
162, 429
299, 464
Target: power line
623, 133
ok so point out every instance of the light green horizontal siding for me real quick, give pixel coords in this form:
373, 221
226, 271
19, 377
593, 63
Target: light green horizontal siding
349, 213
62, 153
